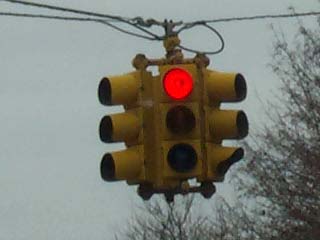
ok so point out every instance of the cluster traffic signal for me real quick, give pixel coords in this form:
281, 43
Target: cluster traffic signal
173, 128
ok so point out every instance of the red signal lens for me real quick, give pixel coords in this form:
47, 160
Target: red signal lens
178, 83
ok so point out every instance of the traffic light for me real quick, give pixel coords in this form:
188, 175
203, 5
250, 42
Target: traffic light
179, 120
122, 127
173, 126
223, 124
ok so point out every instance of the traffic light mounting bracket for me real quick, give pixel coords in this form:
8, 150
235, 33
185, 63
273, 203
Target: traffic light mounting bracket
174, 56
207, 189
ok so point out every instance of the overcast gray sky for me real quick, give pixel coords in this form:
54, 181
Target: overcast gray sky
50, 187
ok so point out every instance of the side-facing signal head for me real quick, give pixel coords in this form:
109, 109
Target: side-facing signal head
119, 127
122, 165
228, 124
118, 90
225, 87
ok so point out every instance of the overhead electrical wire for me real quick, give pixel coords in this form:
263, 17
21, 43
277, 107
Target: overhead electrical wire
70, 10
212, 52
140, 24
129, 21
248, 18
80, 19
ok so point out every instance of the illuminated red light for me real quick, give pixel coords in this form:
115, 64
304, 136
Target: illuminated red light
178, 83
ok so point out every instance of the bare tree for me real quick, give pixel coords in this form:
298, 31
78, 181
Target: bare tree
284, 165
182, 220
161, 220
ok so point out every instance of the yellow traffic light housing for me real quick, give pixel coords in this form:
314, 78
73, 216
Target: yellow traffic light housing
173, 126
179, 134
224, 87
123, 165
220, 160
227, 124
119, 90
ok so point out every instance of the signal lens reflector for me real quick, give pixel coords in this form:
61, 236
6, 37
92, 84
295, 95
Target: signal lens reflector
178, 83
